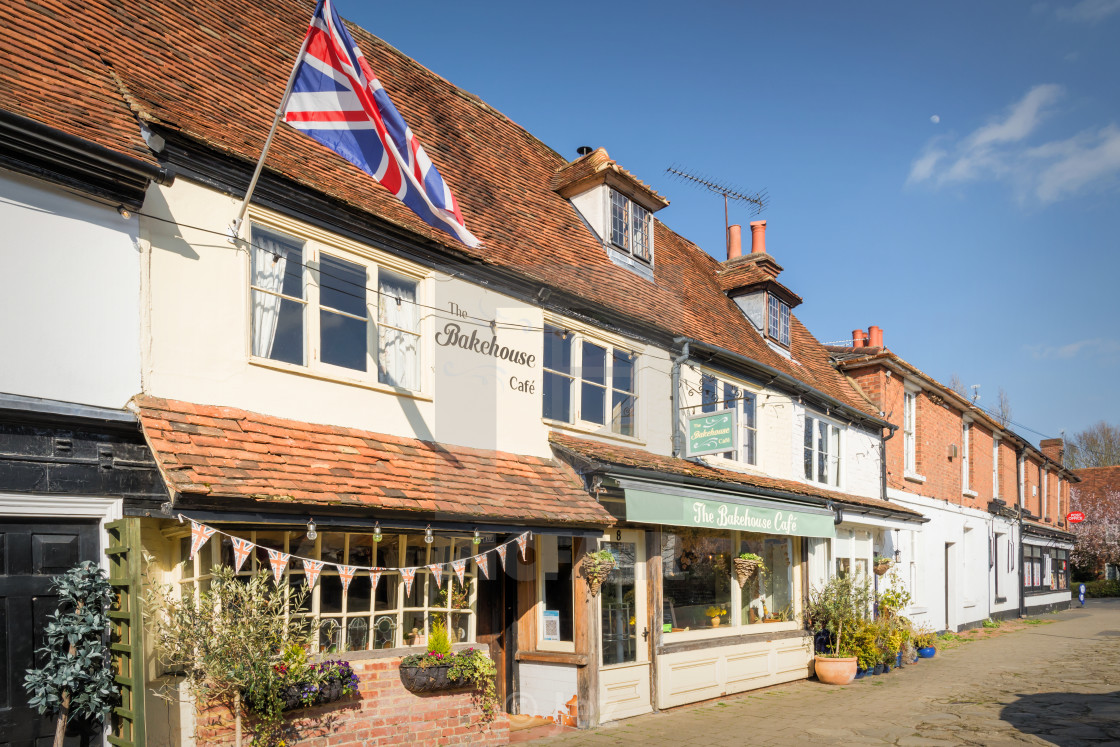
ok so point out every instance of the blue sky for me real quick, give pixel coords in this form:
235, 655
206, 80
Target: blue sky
947, 171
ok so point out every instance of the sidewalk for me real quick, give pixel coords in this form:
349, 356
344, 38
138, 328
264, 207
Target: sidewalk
1053, 683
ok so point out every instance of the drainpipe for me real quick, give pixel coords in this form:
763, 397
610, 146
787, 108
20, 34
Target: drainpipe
883, 457
1019, 496
674, 398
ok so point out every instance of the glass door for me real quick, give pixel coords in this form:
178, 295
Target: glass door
624, 628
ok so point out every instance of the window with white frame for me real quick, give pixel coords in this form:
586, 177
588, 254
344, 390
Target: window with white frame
778, 320
995, 466
717, 394
589, 383
631, 227
338, 314
822, 451
909, 411
966, 437
1046, 493
360, 617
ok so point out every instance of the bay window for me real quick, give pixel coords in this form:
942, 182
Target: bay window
359, 617
822, 451
589, 383
333, 313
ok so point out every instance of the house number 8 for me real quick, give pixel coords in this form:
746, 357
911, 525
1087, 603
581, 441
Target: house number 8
618, 535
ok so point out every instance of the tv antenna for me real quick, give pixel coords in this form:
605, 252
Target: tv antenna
757, 201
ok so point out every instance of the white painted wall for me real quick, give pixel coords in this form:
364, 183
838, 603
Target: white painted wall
69, 296
967, 574
1007, 566
197, 343
545, 688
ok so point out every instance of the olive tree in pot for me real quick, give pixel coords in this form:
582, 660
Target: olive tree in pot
839, 608
76, 682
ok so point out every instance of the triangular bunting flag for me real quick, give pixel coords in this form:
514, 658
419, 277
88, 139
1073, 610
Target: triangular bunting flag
522, 541
346, 573
374, 577
312, 568
199, 534
437, 571
242, 548
279, 561
483, 561
459, 566
408, 574
502, 554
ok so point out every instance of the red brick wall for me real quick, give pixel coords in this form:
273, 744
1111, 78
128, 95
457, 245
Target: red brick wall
1008, 474
383, 714
980, 462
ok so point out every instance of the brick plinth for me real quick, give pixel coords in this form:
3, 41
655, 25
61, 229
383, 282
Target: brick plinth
384, 713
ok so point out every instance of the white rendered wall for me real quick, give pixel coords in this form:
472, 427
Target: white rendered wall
1007, 566
69, 296
197, 343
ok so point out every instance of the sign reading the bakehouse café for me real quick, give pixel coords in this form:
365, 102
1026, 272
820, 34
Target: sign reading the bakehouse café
712, 433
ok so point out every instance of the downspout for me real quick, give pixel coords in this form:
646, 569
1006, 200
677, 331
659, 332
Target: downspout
883, 457
674, 397
1019, 496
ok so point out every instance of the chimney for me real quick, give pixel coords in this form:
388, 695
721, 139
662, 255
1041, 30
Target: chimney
875, 337
734, 242
758, 237
1053, 448
859, 338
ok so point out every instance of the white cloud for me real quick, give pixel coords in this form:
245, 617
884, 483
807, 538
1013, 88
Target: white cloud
1088, 11
1000, 151
935, 119
1094, 346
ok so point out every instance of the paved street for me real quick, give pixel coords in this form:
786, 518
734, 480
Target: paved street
1051, 683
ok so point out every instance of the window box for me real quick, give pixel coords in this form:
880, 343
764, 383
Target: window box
428, 679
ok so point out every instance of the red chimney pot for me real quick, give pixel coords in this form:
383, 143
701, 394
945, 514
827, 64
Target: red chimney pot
875, 337
734, 242
859, 338
758, 237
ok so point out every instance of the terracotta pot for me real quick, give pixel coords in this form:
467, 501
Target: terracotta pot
836, 671
715, 622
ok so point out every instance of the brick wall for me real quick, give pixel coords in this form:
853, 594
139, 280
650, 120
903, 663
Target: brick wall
384, 713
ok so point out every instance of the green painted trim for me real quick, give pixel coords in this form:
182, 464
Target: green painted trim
712, 433
124, 555
648, 507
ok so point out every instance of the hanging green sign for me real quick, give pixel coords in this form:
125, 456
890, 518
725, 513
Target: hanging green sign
712, 433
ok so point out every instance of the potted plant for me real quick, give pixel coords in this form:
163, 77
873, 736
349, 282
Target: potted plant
715, 613
881, 565
923, 641
838, 606
893, 598
596, 567
431, 670
747, 566
865, 649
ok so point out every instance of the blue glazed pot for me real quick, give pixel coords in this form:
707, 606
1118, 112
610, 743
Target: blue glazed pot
898, 660
860, 673
927, 652
878, 669
886, 668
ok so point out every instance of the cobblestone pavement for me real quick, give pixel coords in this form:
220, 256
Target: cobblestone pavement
1053, 683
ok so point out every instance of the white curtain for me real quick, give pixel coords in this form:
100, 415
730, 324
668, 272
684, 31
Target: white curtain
398, 355
269, 262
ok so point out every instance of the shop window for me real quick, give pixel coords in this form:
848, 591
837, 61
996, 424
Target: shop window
589, 384
339, 337
360, 617
556, 624
698, 580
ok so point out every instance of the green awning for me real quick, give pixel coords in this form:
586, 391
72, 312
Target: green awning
672, 509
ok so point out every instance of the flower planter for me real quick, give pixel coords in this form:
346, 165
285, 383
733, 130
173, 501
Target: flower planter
898, 660
835, 671
292, 697
861, 673
428, 679
329, 692
596, 572
745, 570
878, 669
882, 568
927, 652
886, 668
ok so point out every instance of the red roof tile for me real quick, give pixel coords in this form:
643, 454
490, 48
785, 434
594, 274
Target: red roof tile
213, 70
1100, 483
231, 453
625, 456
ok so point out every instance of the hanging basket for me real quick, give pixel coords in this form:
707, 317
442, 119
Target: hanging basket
745, 570
596, 572
882, 568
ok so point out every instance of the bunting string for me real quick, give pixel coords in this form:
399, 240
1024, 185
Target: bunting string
279, 561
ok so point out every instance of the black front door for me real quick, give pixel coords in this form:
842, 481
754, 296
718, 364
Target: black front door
31, 552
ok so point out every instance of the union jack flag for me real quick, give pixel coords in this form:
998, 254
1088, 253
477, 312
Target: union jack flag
337, 100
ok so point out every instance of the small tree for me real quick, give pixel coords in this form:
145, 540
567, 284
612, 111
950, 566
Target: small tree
1096, 446
842, 603
76, 681
230, 644
1003, 408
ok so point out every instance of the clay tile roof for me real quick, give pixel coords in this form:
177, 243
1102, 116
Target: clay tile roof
1099, 482
576, 176
225, 452
754, 270
212, 72
624, 456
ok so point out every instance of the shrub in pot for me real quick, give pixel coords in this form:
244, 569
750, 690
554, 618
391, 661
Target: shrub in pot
840, 608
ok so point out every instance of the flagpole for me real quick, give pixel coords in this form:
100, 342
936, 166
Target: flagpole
235, 227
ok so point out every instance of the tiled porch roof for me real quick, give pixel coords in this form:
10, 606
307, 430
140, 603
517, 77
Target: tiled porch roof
227, 452
625, 456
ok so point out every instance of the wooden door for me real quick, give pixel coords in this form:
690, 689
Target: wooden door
31, 553
493, 630
624, 685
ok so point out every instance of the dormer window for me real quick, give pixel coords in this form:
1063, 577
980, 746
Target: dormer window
779, 321
630, 227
